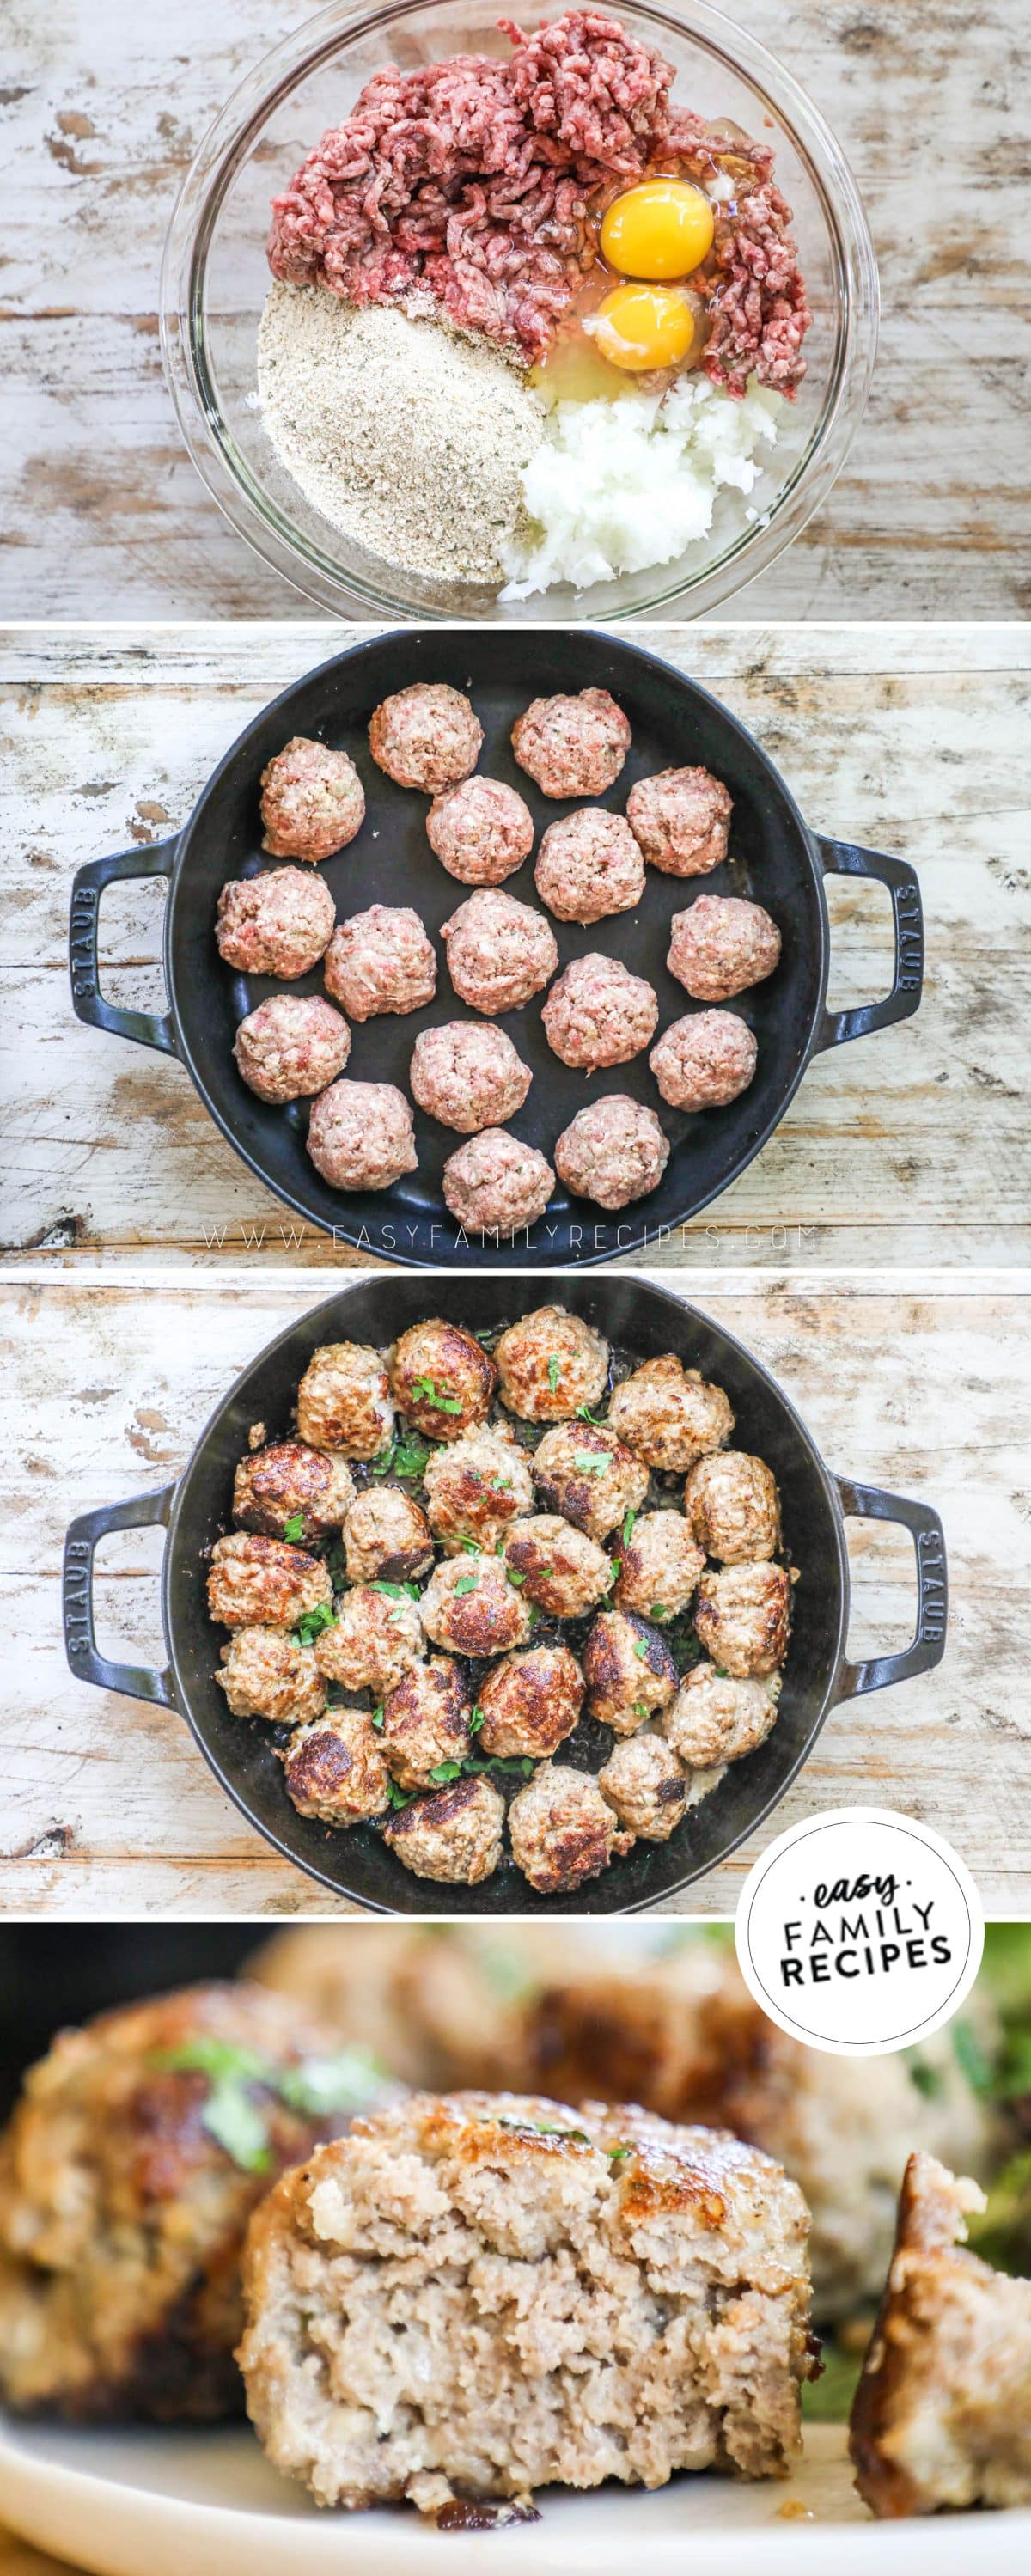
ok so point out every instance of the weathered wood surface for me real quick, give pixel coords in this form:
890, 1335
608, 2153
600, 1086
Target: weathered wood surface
108, 1809
910, 1146
102, 108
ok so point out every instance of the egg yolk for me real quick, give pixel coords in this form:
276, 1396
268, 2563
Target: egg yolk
664, 228
638, 327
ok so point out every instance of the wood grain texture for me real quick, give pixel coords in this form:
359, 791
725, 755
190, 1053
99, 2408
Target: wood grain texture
108, 1809
102, 108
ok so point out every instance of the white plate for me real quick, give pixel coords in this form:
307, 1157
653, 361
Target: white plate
187, 2504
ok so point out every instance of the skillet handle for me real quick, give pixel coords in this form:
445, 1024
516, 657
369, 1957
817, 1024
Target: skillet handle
83, 930
136, 1681
843, 859
868, 1503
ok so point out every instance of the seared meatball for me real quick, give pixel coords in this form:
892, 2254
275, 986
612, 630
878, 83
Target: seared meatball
426, 1722
258, 1583
564, 1572
267, 1673
563, 1831
573, 746
496, 1185
278, 923
312, 801
629, 1671
731, 1502
381, 960
386, 1537
681, 817
361, 1137
612, 1152
481, 831
669, 1415
715, 1719
721, 946
659, 1564
643, 1781
470, 1607
705, 1061
442, 1378
468, 1075
531, 1702
375, 1639
291, 1491
499, 952
344, 1400
476, 1486
589, 865
454, 1837
291, 1046
584, 1472
549, 1364
426, 736
599, 1014
743, 1617
334, 1769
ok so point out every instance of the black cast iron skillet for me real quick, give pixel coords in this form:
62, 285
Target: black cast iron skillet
643, 1321
774, 857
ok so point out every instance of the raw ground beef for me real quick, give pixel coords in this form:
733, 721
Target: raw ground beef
466, 184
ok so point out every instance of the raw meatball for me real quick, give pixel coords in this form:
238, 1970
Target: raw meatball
312, 801
743, 1617
714, 1719
258, 1583
499, 952
572, 746
426, 736
468, 1075
442, 1378
584, 1472
278, 923
496, 1185
481, 831
669, 1415
705, 1061
289, 1483
681, 817
454, 1837
599, 1014
334, 1770
426, 1722
386, 1537
549, 1364
659, 1564
381, 960
644, 1782
470, 1607
375, 1639
589, 865
267, 1673
721, 946
361, 1136
344, 1400
612, 1152
564, 1572
563, 1831
292, 1045
731, 1502
531, 1702
476, 1486
629, 1671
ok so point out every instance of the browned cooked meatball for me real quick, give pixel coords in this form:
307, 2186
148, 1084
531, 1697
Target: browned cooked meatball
681, 817
292, 1045
266, 1672
426, 1722
495, 1185
705, 1061
584, 1472
480, 831
381, 960
468, 1075
743, 1617
334, 1769
669, 1415
732, 1504
361, 1136
549, 1364
715, 1719
278, 923
470, 1607
659, 1564
257, 1582
291, 1491
386, 1537
312, 801
644, 1782
562, 1570
454, 1836
598, 1014
499, 952
589, 865
344, 1400
563, 1831
442, 1378
531, 1702
426, 736
477, 1486
572, 746
375, 1639
629, 1671
721, 946
613, 1151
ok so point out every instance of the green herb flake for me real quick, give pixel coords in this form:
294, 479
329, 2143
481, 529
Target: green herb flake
466, 1583
396, 1795
554, 1371
659, 1611
236, 2123
513, 1576
590, 1464
343, 2082
294, 1528
641, 1650
628, 1527
377, 1719
425, 1389
442, 1772
640, 1708
391, 1591
584, 1413
312, 1622
473, 1546
476, 1721
618, 2155
411, 1457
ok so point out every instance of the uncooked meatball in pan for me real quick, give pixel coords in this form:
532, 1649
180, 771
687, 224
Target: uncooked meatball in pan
589, 866
442, 1378
705, 1061
563, 1831
344, 1400
468, 1074
481, 831
453, 1836
361, 1136
681, 818
613, 1152
426, 736
334, 1769
276, 923
381, 961
291, 1046
572, 746
582, 1470
290, 1491
549, 1364
721, 946
312, 801
598, 1014
496, 1185
499, 952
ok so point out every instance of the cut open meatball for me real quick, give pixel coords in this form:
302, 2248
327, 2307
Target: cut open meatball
468, 1074
582, 1470
361, 1137
312, 801
481, 831
277, 923
375, 1639
721, 946
732, 1505
453, 1836
659, 1564
715, 1719
470, 1607
266, 1672
334, 1769
442, 1378
562, 1571
344, 1400
290, 1491
705, 1061
476, 1487
531, 1702
563, 1831
549, 1364
496, 1185
589, 866
681, 817
426, 1722
743, 1617
669, 1415
499, 952
613, 1151
291, 1046
572, 746
599, 1014
257, 1582
386, 1537
426, 736
644, 1782
629, 1671
381, 961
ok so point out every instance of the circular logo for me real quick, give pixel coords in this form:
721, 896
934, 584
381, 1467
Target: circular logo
859, 1932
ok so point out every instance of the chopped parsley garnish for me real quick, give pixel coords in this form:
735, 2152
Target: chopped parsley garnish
641, 1649
442, 1772
585, 1414
628, 1527
537, 2129
513, 1575
554, 1372
407, 1456
640, 1708
589, 1464
312, 1622
467, 1583
475, 1721
238, 2123
377, 1718
396, 1795
473, 1546
618, 2155
426, 1390
396, 1591
294, 1528
659, 1611
501, 1484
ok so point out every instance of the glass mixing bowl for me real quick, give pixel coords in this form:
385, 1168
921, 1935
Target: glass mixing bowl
215, 279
